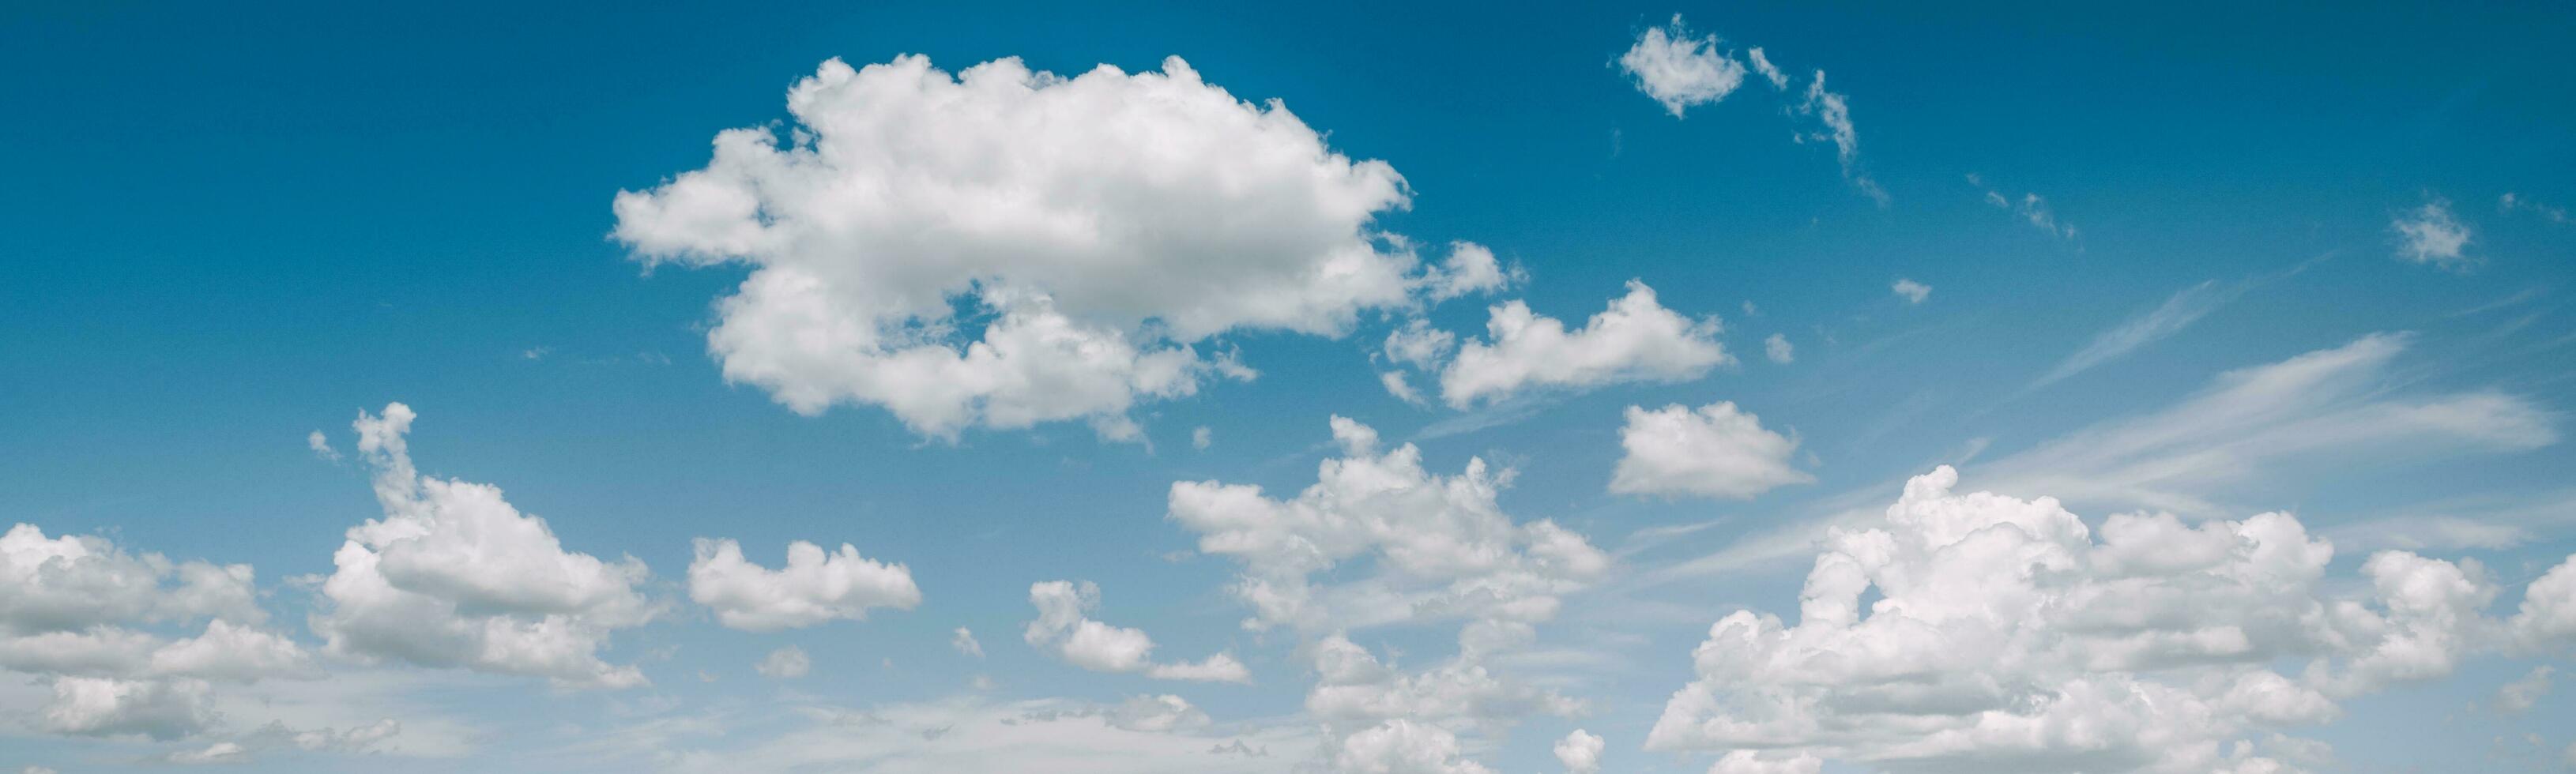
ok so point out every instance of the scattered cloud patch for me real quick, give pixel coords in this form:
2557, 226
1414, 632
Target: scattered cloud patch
1913, 292
1635, 340
1778, 350
785, 663
1679, 69
813, 588
1064, 627
2431, 235
1715, 451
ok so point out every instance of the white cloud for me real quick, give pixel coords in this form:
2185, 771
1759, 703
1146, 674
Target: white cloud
813, 588
1202, 437
1470, 269
964, 642
2511, 202
1112, 221
2519, 695
1439, 545
1778, 349
1750, 762
1064, 627
1913, 292
2031, 207
1635, 339
1715, 451
2547, 619
785, 663
100, 706
1834, 111
2004, 637
1580, 751
1419, 345
1403, 747
1762, 64
217, 753
2176, 313
1157, 714
453, 576
2332, 410
1680, 70
72, 582
2430, 234
321, 446
1378, 718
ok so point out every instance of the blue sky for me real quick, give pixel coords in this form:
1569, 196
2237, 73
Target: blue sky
2184, 261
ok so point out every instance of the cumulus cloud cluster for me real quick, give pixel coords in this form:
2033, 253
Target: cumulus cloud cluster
1713, 451
1065, 627
1100, 228
1635, 339
1681, 70
82, 615
1984, 632
453, 576
813, 588
1432, 546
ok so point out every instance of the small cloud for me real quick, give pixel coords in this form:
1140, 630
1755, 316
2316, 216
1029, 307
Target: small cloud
1777, 348
1913, 292
1681, 70
1202, 437
2513, 202
785, 663
2430, 234
321, 446
535, 353
964, 642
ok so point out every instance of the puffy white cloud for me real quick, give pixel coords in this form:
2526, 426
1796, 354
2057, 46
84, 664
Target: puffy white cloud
1715, 451
1201, 437
1680, 70
964, 642
813, 588
100, 706
453, 576
2547, 619
1778, 349
1635, 339
1439, 546
2004, 637
230, 652
2519, 695
74, 582
1063, 627
2430, 234
1913, 292
1403, 747
1580, 751
785, 663
1110, 220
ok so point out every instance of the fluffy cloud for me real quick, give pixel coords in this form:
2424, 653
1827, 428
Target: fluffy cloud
964, 642
1440, 546
1379, 719
1635, 339
1109, 221
102, 706
72, 582
1770, 72
2430, 234
1680, 70
1913, 292
1064, 627
1580, 751
2004, 637
74, 614
1778, 349
813, 588
785, 663
1157, 714
1715, 451
453, 576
